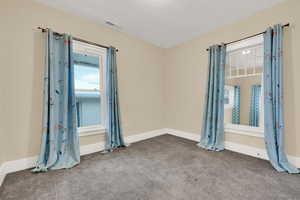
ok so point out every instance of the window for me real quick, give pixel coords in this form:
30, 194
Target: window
89, 72
228, 96
243, 96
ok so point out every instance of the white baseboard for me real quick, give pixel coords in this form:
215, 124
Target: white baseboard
247, 150
239, 148
183, 134
91, 148
26, 163
29, 162
18, 165
294, 160
243, 149
143, 136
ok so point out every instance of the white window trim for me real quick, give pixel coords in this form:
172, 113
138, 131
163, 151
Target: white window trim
91, 130
244, 130
84, 48
234, 48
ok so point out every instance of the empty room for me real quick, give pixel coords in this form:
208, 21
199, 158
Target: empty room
149, 100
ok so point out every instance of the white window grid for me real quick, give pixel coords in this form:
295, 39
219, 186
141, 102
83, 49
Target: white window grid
244, 62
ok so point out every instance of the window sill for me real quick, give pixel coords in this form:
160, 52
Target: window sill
228, 106
245, 130
91, 130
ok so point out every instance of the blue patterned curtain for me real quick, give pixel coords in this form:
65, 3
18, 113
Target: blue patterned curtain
255, 105
60, 140
273, 99
236, 105
114, 137
212, 137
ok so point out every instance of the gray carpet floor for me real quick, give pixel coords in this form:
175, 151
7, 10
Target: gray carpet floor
161, 168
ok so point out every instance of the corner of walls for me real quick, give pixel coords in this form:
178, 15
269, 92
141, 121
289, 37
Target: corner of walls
2, 153
139, 73
3, 109
186, 72
2, 174
2, 171
165, 73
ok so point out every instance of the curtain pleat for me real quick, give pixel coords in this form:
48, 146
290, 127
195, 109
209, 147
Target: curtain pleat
60, 140
273, 99
212, 136
114, 136
236, 105
255, 105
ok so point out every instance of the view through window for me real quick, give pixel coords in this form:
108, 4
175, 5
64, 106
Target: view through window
89, 86
243, 96
87, 90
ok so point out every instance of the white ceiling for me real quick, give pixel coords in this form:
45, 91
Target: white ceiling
164, 23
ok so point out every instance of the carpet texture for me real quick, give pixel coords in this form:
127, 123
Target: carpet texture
161, 168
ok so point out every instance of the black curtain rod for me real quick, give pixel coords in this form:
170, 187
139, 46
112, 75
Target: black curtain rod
78, 39
286, 25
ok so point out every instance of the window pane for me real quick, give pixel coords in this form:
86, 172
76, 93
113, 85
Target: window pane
88, 108
87, 85
86, 72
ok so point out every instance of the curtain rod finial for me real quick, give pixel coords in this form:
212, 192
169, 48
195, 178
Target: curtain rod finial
43, 29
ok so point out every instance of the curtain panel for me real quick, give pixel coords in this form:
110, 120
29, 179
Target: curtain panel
273, 99
255, 105
60, 140
114, 135
236, 105
212, 136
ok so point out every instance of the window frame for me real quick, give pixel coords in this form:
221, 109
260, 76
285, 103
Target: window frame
88, 49
239, 128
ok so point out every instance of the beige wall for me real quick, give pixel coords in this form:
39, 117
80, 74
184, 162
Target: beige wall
186, 73
1, 151
139, 64
159, 88
3, 113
